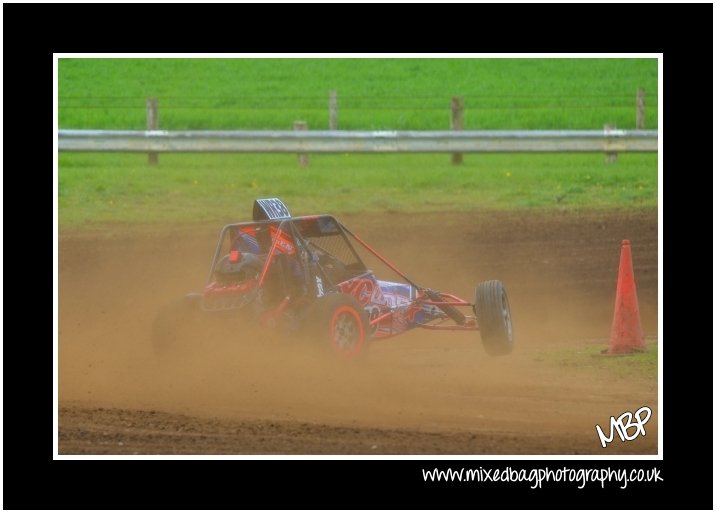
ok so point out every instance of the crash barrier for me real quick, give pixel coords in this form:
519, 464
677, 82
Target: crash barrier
349, 141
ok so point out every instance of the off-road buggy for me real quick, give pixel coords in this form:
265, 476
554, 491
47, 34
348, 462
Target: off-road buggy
305, 275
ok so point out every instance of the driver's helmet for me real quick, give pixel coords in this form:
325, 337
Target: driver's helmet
238, 267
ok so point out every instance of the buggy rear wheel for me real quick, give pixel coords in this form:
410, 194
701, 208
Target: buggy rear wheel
494, 317
339, 322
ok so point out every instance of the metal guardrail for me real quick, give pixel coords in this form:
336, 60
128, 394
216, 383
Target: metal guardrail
343, 141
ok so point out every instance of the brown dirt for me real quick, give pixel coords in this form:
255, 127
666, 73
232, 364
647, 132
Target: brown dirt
421, 393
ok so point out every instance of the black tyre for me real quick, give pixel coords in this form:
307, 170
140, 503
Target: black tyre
494, 318
169, 326
339, 323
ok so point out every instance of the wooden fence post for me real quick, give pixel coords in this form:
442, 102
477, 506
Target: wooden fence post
332, 110
610, 157
152, 124
640, 108
302, 157
457, 108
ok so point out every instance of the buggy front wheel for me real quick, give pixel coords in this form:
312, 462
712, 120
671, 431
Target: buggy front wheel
494, 317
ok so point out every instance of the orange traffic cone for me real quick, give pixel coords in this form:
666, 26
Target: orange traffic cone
627, 335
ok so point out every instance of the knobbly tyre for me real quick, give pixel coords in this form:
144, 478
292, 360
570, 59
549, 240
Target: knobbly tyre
304, 275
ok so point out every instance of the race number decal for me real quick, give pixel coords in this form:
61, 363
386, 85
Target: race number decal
270, 208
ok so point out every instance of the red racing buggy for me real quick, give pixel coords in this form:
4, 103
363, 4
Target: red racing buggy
305, 275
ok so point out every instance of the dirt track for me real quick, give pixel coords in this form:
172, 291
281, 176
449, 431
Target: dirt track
422, 393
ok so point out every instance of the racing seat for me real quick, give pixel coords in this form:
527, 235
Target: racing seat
333, 269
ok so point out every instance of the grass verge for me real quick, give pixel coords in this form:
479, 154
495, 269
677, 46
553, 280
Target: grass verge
589, 357
106, 188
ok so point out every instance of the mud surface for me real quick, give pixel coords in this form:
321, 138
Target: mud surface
239, 392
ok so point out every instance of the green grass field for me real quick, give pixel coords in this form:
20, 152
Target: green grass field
395, 94
373, 94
